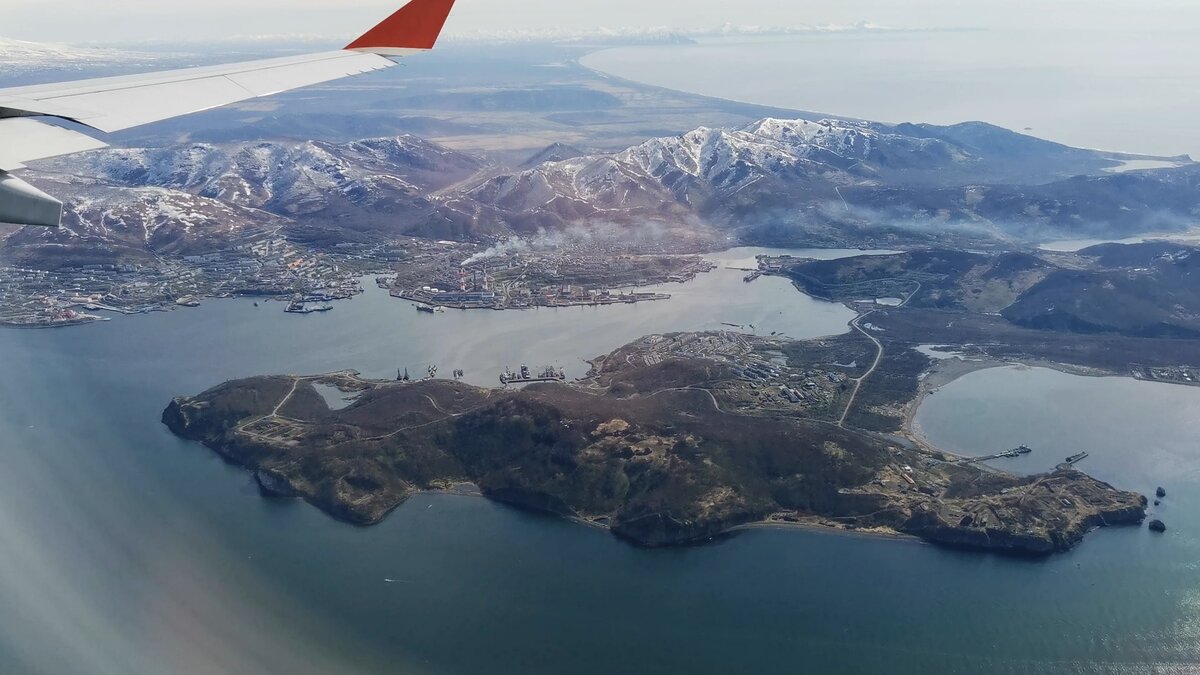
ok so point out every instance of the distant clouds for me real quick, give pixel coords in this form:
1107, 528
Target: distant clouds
660, 34
111, 21
17, 56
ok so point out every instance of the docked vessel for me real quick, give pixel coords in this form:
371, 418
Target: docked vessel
301, 308
1072, 461
526, 376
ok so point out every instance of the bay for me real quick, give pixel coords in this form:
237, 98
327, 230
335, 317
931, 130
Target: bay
1106, 89
126, 550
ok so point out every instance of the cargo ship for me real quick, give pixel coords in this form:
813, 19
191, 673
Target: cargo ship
301, 308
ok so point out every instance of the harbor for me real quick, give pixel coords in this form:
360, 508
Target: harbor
1007, 454
533, 281
1022, 450
790, 567
299, 307
525, 376
1072, 461
429, 298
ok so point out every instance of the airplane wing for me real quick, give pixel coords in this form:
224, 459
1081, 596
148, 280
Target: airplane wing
115, 103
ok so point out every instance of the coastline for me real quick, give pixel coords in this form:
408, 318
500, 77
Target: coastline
879, 533
1120, 158
603, 74
951, 369
361, 505
776, 521
942, 373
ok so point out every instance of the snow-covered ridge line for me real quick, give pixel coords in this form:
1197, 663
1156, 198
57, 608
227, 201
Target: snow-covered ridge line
712, 165
662, 33
598, 34
23, 53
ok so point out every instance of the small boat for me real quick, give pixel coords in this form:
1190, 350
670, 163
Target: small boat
428, 309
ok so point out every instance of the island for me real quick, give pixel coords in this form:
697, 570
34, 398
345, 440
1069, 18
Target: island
674, 439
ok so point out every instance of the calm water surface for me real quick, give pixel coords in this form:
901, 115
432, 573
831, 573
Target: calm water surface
1138, 434
125, 550
1113, 90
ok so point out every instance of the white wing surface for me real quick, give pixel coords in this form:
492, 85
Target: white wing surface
116, 103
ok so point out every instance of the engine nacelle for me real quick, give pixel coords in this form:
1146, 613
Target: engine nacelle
23, 204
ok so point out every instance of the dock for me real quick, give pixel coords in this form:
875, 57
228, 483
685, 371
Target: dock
526, 376
300, 308
1007, 454
1072, 461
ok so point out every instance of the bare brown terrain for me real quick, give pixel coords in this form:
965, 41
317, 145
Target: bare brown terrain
672, 440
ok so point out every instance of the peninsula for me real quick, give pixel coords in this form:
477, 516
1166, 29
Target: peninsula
671, 440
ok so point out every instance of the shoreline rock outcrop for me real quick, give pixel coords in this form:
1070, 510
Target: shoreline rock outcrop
660, 471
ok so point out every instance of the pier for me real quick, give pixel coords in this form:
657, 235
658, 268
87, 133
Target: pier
1007, 454
1072, 461
301, 308
525, 376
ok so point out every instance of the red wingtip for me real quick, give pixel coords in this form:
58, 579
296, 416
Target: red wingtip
416, 25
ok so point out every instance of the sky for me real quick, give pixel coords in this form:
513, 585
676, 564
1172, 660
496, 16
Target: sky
82, 21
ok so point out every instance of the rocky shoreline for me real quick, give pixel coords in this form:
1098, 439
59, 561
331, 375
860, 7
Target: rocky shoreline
659, 470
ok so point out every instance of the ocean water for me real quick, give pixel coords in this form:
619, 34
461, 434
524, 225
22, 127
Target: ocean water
1067, 414
1113, 90
126, 550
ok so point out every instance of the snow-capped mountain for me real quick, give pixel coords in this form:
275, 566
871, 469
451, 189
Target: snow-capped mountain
17, 56
376, 182
772, 181
706, 169
103, 223
191, 198
659, 34
555, 152
832, 171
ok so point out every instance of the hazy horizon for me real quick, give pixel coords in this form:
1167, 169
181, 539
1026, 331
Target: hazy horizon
75, 21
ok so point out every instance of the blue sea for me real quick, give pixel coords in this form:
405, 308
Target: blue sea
126, 550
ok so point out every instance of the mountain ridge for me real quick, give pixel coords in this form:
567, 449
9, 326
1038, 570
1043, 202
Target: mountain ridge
771, 181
